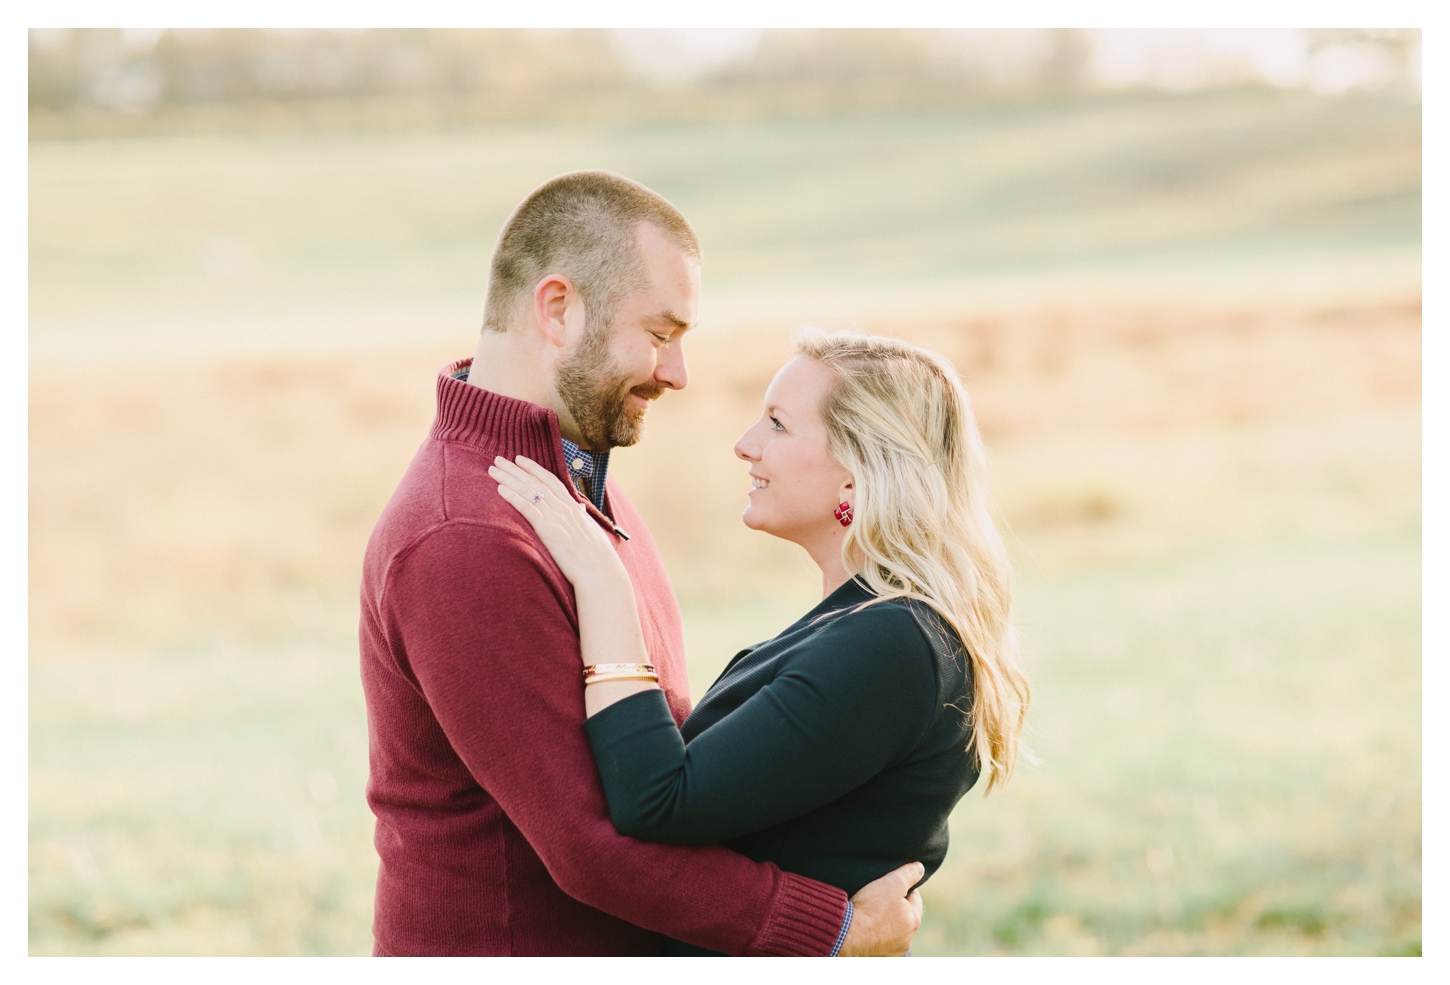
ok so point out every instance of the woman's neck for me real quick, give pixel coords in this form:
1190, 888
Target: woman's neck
834, 572
832, 581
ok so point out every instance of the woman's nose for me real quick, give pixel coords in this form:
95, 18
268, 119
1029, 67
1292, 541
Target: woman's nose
747, 447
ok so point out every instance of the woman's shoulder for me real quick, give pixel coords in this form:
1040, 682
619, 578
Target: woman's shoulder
898, 650
861, 607
935, 631
915, 630
906, 627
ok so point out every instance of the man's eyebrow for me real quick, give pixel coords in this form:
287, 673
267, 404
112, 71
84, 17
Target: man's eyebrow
673, 319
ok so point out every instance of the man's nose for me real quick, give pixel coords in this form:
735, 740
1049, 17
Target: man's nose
671, 369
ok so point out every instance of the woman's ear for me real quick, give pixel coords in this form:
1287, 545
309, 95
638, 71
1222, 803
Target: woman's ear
847, 489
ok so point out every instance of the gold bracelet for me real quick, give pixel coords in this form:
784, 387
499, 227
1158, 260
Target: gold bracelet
622, 673
602, 678
592, 669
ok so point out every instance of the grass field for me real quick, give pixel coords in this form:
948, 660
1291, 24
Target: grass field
1212, 496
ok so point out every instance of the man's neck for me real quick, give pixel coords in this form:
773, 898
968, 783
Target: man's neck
504, 364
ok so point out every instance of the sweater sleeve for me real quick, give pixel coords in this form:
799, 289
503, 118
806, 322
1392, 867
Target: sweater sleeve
852, 698
494, 650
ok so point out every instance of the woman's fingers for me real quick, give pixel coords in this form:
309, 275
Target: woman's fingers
508, 470
508, 474
528, 476
549, 479
528, 499
516, 477
540, 501
579, 546
523, 504
514, 481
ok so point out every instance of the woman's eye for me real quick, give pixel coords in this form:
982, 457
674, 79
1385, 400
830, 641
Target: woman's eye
775, 425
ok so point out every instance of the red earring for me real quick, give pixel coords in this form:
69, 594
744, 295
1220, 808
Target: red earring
843, 513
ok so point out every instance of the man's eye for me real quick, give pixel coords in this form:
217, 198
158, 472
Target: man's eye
663, 339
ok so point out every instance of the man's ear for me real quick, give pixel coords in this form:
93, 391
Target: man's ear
553, 297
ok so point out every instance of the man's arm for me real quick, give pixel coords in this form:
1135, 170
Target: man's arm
485, 621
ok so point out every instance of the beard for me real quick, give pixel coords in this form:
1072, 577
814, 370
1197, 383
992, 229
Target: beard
595, 391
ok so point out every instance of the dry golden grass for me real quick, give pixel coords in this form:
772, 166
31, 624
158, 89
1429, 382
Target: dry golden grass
232, 501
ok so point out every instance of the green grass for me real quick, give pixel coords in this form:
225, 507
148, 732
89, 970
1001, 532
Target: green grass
200, 803
1230, 763
1229, 745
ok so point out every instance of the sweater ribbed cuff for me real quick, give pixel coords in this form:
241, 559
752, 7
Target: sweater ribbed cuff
845, 929
805, 920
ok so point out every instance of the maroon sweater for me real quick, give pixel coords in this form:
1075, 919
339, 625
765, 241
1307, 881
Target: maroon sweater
493, 834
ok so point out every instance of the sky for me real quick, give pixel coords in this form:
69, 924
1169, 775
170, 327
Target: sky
1172, 59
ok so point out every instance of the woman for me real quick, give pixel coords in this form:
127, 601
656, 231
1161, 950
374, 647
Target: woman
839, 748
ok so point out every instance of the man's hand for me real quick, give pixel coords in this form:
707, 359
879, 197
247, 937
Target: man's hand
886, 918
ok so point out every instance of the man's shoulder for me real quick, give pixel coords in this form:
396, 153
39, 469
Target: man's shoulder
469, 494
446, 500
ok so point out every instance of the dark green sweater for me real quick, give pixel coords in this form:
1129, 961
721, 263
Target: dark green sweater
836, 750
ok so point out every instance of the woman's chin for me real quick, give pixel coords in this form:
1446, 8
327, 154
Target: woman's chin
750, 518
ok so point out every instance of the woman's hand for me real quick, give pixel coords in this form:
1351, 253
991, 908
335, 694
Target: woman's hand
609, 630
579, 545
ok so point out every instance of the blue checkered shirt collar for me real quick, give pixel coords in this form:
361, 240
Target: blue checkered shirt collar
584, 464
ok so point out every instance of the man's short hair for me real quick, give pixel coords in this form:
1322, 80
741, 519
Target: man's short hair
583, 225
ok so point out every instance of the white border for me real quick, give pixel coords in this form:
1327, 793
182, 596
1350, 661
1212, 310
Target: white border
743, 13
747, 13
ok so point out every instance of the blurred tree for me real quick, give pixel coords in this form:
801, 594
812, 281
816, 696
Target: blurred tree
115, 81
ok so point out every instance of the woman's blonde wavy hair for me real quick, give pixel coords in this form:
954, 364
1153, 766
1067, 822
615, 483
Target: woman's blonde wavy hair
899, 420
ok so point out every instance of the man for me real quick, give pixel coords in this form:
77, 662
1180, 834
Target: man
492, 831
